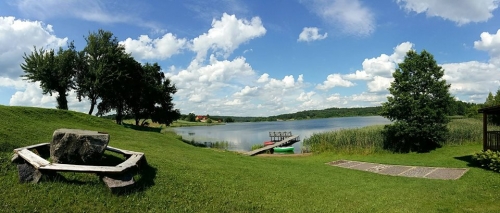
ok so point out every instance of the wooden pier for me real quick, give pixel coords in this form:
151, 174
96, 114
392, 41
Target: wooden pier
285, 139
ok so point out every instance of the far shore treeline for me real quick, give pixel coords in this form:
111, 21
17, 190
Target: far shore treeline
458, 108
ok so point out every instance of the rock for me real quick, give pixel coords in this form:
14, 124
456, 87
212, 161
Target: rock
74, 146
28, 173
119, 183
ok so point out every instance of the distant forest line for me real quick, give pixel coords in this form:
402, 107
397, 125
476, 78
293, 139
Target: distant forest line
459, 108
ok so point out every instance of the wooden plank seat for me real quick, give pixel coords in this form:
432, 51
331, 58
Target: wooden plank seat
133, 160
117, 178
33, 146
32, 158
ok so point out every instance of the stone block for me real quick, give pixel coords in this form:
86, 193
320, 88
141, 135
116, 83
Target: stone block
119, 183
74, 146
28, 173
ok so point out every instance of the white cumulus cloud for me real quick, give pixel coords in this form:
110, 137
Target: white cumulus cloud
226, 35
491, 44
383, 66
311, 34
20, 36
350, 16
379, 84
459, 11
334, 80
145, 48
305, 96
247, 91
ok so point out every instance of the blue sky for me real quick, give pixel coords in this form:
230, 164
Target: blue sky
261, 58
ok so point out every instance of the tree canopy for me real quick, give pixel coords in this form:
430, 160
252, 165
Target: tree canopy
101, 60
493, 100
109, 77
419, 105
54, 71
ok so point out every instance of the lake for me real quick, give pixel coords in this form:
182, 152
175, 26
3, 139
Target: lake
241, 136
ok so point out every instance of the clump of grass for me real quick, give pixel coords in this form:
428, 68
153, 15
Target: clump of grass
361, 140
223, 145
465, 131
257, 146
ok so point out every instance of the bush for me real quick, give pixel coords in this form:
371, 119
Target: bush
404, 137
488, 159
257, 146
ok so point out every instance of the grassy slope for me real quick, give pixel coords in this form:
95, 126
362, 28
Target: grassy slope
190, 179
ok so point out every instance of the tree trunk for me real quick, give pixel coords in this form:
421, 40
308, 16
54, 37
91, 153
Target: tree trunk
119, 115
93, 102
62, 102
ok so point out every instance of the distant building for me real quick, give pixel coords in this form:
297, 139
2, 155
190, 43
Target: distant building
201, 118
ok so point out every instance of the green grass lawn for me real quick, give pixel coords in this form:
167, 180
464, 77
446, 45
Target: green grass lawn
183, 178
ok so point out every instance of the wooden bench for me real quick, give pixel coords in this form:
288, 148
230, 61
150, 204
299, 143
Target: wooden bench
111, 175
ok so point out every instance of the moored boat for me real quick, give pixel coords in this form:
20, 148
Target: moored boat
267, 143
283, 149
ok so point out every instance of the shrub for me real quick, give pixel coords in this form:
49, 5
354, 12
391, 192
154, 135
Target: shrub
257, 146
488, 159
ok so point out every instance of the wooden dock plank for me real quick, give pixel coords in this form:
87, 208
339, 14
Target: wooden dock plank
32, 158
122, 151
81, 168
286, 140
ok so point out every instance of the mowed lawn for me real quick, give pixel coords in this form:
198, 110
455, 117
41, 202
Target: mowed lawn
183, 178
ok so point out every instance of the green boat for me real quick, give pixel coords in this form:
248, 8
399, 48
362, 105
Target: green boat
283, 149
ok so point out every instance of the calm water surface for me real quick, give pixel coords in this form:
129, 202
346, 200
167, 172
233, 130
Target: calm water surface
241, 136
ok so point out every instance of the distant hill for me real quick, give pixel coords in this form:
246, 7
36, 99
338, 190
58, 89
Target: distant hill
329, 113
310, 114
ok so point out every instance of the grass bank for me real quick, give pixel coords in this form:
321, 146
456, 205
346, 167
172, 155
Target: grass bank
370, 139
183, 178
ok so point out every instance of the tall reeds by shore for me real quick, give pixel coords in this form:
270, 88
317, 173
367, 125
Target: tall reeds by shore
371, 140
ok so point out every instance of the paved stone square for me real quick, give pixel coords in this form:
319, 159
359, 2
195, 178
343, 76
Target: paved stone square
405, 171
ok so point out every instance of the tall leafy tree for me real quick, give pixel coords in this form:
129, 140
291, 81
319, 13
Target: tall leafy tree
153, 97
164, 112
55, 72
120, 87
418, 106
101, 58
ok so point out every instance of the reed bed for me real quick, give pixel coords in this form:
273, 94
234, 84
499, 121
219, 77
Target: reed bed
361, 140
369, 139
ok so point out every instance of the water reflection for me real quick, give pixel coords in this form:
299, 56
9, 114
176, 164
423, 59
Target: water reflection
241, 136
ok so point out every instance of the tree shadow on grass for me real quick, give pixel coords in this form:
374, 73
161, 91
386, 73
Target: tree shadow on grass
468, 159
7, 147
143, 128
144, 180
